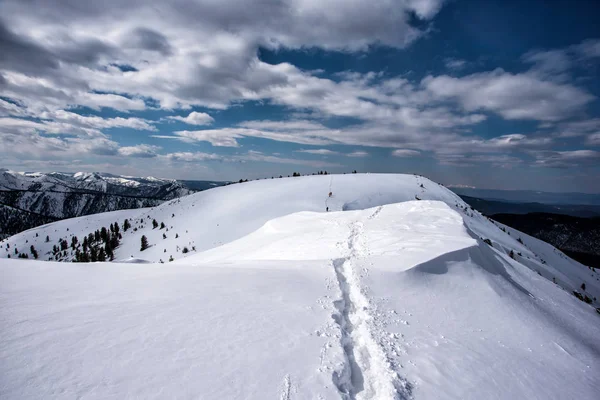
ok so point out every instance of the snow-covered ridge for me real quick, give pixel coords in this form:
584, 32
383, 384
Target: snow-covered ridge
382, 297
58, 195
58, 181
212, 218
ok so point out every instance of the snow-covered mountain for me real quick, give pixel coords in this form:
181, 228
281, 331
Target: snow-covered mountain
91, 182
399, 291
51, 196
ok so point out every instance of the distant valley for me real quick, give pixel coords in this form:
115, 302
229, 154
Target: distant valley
571, 228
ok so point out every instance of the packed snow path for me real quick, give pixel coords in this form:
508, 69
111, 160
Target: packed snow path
366, 372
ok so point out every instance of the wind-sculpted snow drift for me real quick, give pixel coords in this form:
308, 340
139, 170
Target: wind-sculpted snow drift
382, 297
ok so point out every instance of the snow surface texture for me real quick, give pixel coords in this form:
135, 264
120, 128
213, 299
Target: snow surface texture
282, 300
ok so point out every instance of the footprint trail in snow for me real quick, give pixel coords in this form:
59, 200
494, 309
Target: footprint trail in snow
366, 373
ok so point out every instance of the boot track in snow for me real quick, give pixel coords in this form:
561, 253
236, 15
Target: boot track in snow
366, 373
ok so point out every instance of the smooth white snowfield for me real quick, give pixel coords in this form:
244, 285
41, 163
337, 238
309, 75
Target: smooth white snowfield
400, 301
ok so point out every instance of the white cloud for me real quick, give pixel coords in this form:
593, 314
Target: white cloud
181, 53
588, 49
226, 137
250, 156
593, 139
140, 150
566, 159
195, 118
288, 125
191, 156
455, 63
358, 154
405, 153
513, 96
577, 128
322, 152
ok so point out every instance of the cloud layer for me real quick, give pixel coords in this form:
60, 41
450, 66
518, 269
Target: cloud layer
125, 60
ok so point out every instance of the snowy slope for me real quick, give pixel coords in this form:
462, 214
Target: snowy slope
402, 301
211, 218
220, 215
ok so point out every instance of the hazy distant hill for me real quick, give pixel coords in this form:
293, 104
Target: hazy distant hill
529, 196
491, 207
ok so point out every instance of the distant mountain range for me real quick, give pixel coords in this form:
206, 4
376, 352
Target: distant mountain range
530, 196
571, 228
29, 199
491, 207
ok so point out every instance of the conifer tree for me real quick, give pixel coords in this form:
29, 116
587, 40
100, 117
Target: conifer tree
33, 252
144, 241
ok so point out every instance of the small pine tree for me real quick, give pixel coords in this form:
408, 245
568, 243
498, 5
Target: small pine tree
511, 254
164, 235
171, 258
583, 287
162, 225
185, 250
101, 255
154, 224
144, 241
126, 225
33, 252
177, 236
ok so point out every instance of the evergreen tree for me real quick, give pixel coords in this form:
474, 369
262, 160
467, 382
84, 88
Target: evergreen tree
116, 228
47, 239
33, 252
144, 243
162, 225
101, 255
154, 224
126, 225
104, 234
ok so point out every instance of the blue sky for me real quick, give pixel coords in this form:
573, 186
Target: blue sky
491, 94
